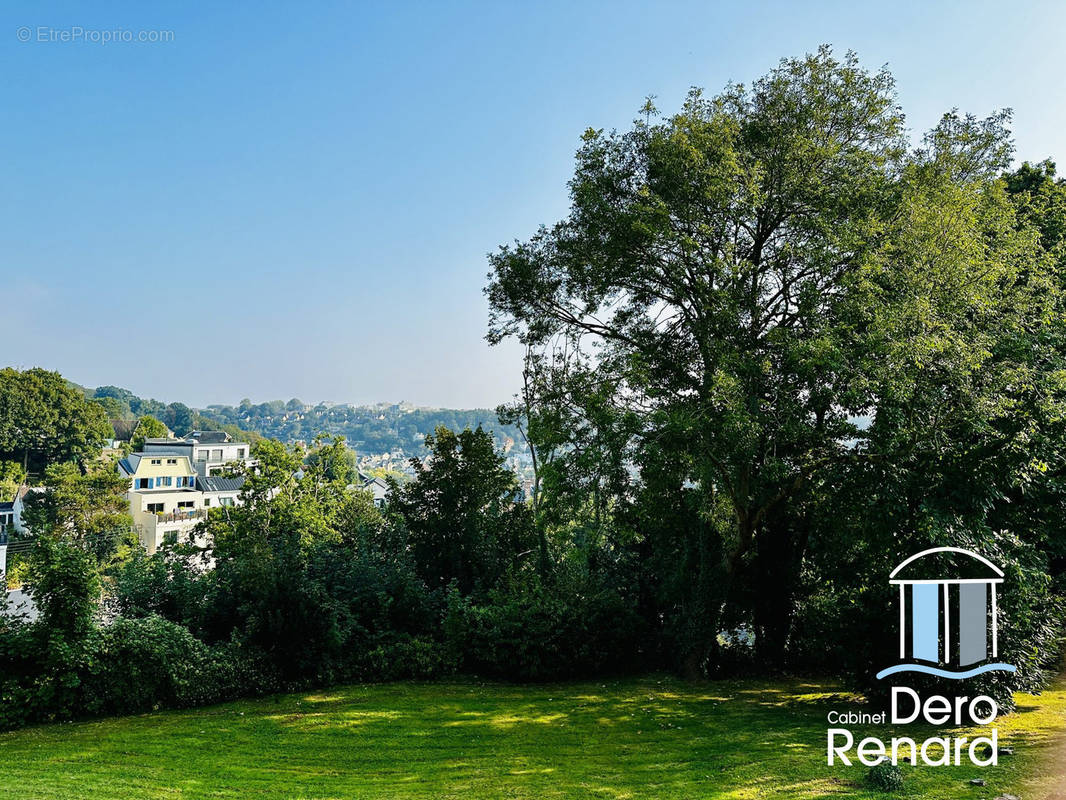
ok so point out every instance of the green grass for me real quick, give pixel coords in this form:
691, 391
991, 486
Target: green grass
650, 738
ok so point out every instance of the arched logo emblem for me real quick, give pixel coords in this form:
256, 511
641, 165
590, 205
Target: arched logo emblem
948, 626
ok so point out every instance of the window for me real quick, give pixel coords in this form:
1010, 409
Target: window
155, 508
7, 519
143, 483
216, 455
201, 455
166, 480
240, 452
226, 501
186, 480
186, 504
172, 461
170, 537
157, 461
207, 502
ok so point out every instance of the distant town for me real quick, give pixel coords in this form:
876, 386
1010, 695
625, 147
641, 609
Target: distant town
384, 436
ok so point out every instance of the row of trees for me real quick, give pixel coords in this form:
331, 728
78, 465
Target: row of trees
307, 582
134, 418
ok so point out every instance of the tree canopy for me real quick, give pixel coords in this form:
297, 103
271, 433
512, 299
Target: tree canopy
148, 428
770, 292
44, 420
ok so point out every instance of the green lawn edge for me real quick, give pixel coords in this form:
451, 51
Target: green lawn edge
649, 737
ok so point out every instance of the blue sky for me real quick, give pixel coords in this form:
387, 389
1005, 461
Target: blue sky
297, 200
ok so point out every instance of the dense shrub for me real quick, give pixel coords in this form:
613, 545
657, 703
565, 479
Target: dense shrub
418, 657
141, 664
528, 632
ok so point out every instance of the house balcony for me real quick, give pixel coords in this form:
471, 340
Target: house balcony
155, 529
181, 516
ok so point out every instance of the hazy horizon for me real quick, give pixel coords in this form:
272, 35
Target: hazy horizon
281, 203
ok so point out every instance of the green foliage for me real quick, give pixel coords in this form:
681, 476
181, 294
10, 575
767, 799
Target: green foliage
115, 409
43, 666
367, 429
170, 584
462, 519
43, 420
768, 330
17, 570
179, 418
332, 457
531, 633
148, 663
148, 428
65, 587
88, 508
377, 429
12, 475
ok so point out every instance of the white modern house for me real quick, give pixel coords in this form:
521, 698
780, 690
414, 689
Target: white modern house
209, 452
220, 492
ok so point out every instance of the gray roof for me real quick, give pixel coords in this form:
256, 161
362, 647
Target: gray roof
154, 450
7, 507
214, 483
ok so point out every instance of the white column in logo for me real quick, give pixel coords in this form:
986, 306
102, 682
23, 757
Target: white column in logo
947, 627
902, 621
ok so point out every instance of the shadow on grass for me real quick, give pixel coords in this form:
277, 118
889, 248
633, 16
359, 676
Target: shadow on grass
654, 737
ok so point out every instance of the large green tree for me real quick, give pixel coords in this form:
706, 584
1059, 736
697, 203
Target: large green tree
45, 420
767, 288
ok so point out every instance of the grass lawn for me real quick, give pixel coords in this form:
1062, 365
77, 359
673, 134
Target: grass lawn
650, 738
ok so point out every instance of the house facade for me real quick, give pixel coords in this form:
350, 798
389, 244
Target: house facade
164, 502
209, 452
168, 497
217, 492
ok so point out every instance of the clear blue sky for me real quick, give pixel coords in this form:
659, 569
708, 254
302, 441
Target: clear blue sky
297, 201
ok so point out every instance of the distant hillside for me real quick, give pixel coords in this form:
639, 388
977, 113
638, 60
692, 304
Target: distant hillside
382, 428
384, 433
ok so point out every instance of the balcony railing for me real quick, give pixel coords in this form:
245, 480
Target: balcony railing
181, 516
